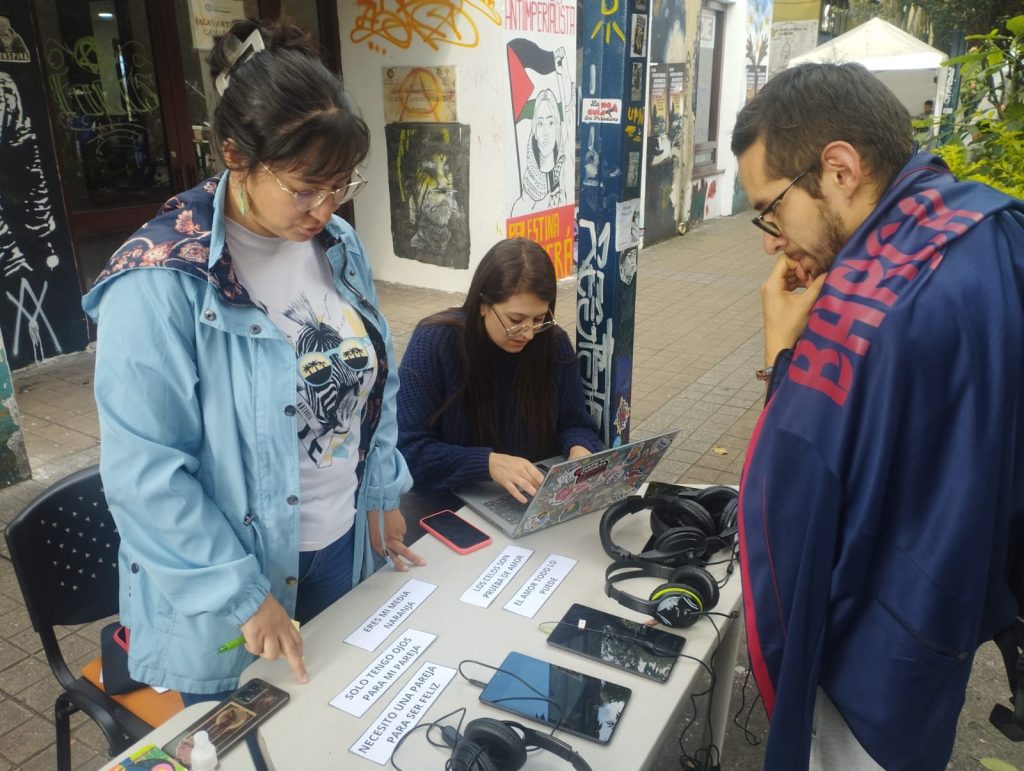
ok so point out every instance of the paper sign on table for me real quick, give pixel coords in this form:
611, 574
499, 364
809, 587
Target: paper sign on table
489, 584
389, 615
370, 684
402, 714
535, 592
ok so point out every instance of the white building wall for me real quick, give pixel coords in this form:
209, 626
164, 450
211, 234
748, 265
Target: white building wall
733, 95
482, 96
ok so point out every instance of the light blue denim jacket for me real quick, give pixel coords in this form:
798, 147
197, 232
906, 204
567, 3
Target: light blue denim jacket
199, 439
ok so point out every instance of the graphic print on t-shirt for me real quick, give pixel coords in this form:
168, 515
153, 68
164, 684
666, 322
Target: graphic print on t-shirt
336, 366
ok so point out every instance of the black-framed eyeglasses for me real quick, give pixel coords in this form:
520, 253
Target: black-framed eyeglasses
307, 200
770, 227
521, 329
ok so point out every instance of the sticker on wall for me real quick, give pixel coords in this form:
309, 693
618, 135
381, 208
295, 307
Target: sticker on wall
12, 45
596, 110
428, 178
420, 94
638, 46
627, 265
627, 224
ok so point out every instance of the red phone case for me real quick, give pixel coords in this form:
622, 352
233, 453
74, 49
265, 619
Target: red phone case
425, 524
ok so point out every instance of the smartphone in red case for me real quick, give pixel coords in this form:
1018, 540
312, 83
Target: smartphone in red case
455, 532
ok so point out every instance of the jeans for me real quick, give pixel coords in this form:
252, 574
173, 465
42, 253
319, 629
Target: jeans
324, 576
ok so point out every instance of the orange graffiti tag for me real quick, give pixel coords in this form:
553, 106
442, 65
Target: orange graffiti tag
401, 22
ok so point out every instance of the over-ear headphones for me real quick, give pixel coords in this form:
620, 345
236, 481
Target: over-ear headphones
496, 745
690, 591
713, 511
673, 546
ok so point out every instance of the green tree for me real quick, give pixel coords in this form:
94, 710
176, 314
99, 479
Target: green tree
985, 137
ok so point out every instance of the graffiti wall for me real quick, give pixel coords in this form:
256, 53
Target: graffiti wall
428, 174
40, 300
540, 132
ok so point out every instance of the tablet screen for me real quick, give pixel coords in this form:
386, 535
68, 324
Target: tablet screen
625, 644
578, 704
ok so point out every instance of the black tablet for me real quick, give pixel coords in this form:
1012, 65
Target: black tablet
625, 644
579, 704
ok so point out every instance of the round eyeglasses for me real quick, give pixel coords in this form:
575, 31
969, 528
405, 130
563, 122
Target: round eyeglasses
521, 329
306, 200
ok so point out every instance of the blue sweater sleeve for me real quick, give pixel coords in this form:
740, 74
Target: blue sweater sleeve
576, 426
430, 374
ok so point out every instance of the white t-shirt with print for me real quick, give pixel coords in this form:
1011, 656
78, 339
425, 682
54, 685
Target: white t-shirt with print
336, 366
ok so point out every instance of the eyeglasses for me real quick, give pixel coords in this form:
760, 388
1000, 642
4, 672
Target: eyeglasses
521, 329
306, 200
770, 227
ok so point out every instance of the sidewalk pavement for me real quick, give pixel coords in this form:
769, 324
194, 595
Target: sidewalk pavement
697, 344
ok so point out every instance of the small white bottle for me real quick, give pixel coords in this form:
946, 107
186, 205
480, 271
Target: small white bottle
204, 754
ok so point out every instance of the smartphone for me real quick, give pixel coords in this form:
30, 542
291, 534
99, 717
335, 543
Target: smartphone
579, 704
670, 490
633, 647
455, 532
230, 720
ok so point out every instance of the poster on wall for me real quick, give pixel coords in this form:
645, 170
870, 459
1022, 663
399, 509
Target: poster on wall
664, 151
428, 179
420, 94
40, 299
540, 173
212, 18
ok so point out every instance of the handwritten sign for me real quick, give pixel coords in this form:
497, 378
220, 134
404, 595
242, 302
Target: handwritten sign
370, 684
539, 587
402, 714
377, 627
489, 584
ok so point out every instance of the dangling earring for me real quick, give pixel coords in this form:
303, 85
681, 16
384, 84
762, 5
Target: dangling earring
242, 204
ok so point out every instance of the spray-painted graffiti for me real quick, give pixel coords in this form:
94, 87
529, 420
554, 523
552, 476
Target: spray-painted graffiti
595, 339
420, 95
434, 22
608, 27
42, 314
35, 318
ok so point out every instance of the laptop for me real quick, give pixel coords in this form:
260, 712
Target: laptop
571, 488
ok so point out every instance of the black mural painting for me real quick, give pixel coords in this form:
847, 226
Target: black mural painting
40, 299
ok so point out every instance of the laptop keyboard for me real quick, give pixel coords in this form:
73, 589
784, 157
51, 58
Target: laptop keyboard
508, 508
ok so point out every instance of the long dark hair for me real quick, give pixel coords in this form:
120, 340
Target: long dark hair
283, 106
511, 267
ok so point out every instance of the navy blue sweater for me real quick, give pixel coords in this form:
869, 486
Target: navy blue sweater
442, 455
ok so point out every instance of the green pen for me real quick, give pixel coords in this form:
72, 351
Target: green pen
230, 645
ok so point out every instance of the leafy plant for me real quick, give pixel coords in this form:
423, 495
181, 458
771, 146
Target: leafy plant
985, 137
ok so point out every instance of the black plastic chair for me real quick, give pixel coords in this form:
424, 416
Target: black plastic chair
64, 549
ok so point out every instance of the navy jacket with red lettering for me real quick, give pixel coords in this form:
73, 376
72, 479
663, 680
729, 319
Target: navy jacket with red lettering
884, 482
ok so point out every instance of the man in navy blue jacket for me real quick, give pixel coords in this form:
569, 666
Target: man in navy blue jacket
883, 493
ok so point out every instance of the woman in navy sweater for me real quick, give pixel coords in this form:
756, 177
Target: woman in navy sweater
493, 385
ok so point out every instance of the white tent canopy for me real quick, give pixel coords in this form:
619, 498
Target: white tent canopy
878, 45
908, 66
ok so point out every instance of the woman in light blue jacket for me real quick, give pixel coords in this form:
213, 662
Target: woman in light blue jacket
246, 383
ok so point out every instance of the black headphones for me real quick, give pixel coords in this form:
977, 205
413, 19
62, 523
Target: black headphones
713, 511
681, 544
689, 593
496, 745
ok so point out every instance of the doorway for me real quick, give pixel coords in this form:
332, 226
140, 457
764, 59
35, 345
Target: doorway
129, 98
